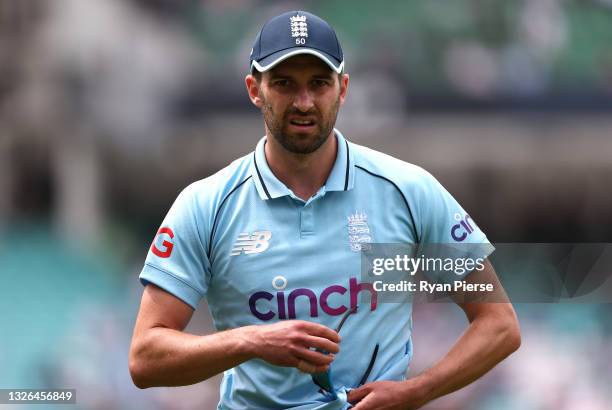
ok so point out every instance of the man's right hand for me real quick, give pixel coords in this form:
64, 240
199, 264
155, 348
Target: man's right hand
291, 343
163, 354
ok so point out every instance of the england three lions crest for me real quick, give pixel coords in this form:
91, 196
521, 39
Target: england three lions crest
299, 28
359, 232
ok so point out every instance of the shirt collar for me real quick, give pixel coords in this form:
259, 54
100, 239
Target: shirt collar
341, 177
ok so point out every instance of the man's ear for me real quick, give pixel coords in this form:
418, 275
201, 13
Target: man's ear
344, 82
254, 89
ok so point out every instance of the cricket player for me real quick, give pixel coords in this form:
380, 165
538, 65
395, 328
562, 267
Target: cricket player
273, 243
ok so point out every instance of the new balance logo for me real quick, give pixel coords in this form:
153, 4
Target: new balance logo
256, 242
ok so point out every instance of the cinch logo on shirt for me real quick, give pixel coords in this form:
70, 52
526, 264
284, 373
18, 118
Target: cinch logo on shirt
255, 243
461, 230
285, 304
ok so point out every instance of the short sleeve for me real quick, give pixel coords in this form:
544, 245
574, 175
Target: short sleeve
177, 260
444, 220
447, 230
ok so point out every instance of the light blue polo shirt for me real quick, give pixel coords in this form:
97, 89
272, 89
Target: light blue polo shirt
259, 254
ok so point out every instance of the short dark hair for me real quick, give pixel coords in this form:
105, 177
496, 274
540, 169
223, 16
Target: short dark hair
256, 74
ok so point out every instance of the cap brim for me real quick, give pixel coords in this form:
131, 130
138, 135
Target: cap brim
273, 59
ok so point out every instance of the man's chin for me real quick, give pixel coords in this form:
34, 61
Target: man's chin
301, 149
302, 142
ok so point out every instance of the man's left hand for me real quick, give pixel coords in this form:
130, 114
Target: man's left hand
386, 395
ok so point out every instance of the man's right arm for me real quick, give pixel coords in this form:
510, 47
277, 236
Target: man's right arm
162, 354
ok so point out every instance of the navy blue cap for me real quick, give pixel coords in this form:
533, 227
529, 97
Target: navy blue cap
292, 33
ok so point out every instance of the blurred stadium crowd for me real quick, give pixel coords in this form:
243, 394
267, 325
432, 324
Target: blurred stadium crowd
109, 108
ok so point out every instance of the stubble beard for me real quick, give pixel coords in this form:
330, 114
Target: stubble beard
294, 143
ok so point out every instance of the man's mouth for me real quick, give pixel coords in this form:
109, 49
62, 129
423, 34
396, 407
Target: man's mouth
302, 122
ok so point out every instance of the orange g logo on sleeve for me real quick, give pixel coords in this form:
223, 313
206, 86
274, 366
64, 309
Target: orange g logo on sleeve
167, 245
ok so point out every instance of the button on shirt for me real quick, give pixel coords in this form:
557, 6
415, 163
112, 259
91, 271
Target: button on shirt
259, 254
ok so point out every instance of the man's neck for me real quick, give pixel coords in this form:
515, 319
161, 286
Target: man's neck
304, 174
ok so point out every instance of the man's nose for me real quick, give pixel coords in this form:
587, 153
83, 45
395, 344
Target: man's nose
303, 100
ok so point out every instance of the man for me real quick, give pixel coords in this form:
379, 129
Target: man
272, 241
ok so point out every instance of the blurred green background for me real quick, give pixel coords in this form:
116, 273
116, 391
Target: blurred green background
109, 108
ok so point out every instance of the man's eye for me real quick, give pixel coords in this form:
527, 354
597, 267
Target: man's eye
281, 83
319, 83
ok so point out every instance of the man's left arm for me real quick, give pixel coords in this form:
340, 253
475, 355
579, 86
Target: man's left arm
492, 335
